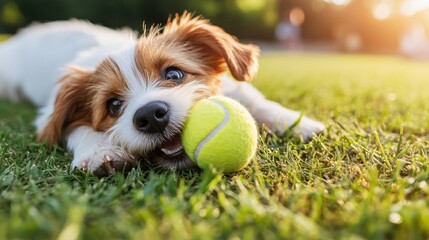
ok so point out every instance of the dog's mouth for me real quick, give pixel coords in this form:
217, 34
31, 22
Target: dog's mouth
171, 148
171, 155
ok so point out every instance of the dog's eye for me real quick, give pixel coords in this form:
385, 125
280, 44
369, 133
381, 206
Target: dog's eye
114, 106
173, 73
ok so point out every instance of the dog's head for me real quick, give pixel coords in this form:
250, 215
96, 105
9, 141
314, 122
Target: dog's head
140, 96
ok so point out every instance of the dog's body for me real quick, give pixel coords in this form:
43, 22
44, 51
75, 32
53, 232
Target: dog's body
101, 104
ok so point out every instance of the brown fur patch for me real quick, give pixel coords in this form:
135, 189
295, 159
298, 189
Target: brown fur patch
201, 50
82, 100
71, 106
109, 83
215, 46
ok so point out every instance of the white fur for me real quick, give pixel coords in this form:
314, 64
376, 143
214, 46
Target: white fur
35, 58
32, 61
179, 100
91, 149
141, 91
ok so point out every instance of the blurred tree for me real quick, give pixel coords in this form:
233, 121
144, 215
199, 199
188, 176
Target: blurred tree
245, 18
320, 18
10, 16
351, 23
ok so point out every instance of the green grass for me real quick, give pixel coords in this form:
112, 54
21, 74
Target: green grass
365, 178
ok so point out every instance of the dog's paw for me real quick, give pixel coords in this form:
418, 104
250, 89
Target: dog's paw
280, 120
104, 160
309, 128
303, 126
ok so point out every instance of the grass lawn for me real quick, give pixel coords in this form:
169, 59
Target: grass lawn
365, 178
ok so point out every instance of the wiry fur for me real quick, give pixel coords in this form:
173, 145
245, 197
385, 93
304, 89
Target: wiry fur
95, 64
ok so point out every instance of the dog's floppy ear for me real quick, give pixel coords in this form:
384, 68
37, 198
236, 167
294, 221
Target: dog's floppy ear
71, 106
217, 46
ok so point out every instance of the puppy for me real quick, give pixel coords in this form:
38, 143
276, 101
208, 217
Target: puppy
113, 98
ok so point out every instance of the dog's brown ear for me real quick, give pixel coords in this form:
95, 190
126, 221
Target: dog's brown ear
217, 46
71, 106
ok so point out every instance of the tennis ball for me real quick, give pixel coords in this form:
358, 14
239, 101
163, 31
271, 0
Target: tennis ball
219, 132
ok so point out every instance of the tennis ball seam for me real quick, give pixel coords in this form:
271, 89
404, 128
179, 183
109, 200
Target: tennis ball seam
215, 130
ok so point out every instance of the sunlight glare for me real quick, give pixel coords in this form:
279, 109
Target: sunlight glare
340, 2
411, 7
382, 11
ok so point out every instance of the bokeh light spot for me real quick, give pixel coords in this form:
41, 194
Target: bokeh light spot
382, 11
297, 16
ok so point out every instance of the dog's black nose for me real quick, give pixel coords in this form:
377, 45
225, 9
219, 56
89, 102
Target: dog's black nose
152, 118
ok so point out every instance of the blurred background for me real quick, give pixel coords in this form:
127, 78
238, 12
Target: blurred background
374, 26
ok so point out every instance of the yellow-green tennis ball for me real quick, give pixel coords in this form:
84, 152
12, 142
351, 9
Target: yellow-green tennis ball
219, 132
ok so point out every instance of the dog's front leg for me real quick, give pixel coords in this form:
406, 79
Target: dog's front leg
93, 152
272, 114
